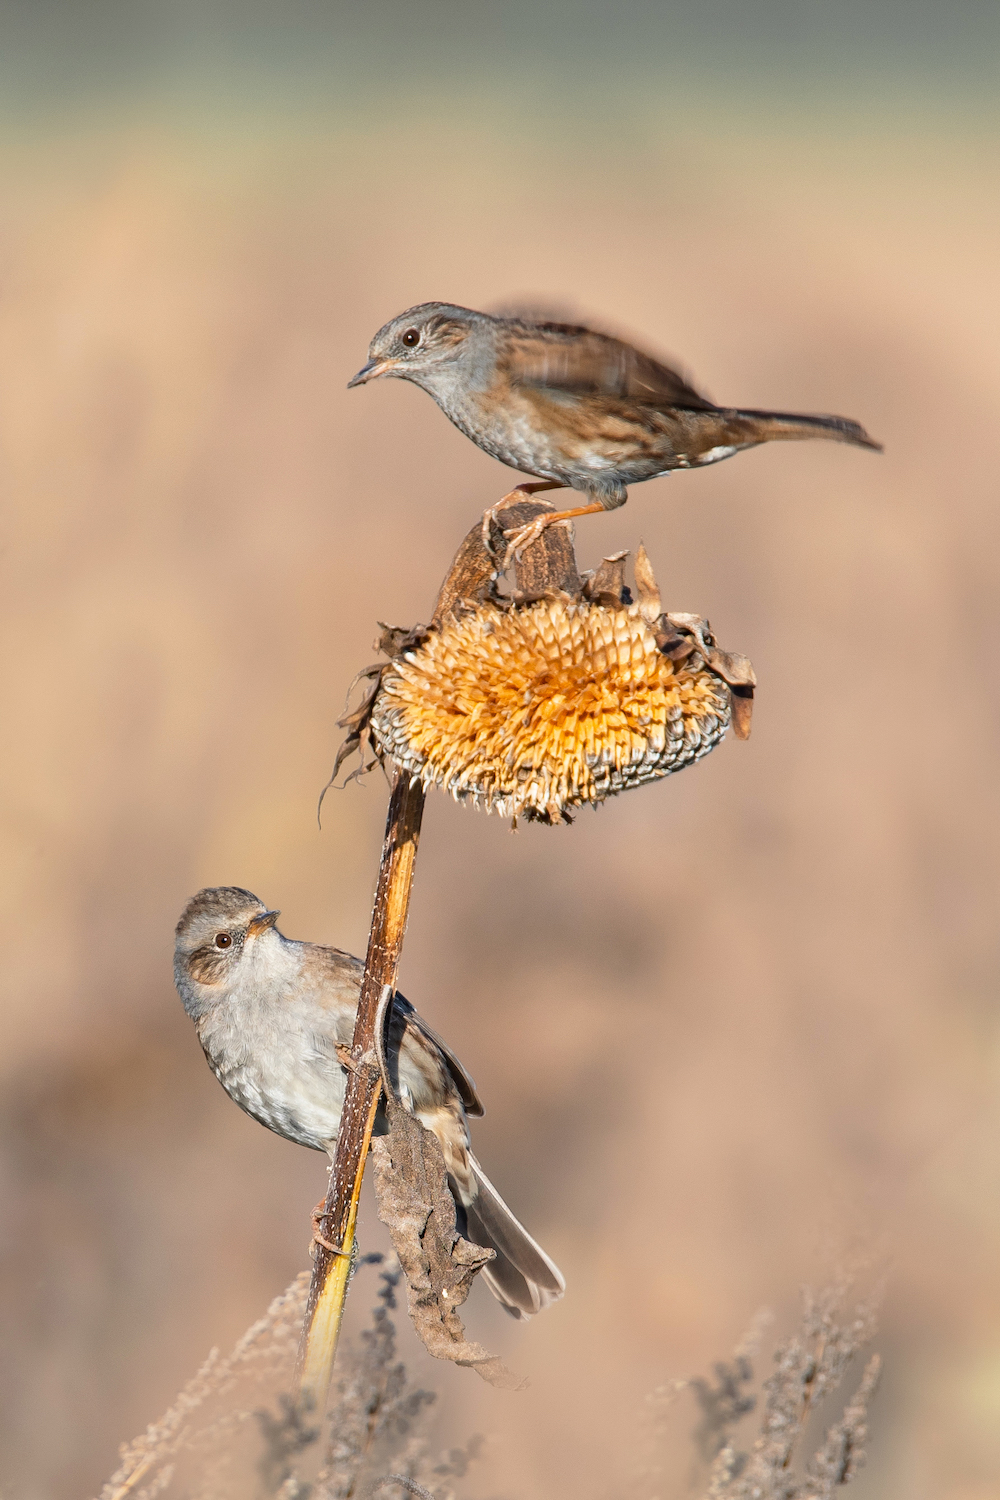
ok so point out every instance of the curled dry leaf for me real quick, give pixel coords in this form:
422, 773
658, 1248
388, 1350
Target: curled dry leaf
416, 1206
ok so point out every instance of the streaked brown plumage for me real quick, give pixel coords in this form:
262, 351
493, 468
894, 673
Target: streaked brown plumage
572, 406
271, 1014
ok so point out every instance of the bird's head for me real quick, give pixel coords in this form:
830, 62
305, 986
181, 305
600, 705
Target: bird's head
218, 936
426, 344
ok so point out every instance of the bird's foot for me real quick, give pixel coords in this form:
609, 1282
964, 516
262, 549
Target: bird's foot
516, 496
345, 1057
523, 536
318, 1215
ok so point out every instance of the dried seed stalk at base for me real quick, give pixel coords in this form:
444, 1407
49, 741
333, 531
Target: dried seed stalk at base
843, 1452
265, 1352
207, 1447
416, 1206
810, 1365
722, 1404
377, 1419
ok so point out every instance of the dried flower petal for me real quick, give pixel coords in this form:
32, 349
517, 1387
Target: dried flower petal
645, 585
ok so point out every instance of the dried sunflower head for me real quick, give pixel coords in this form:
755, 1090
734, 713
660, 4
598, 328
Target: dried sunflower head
540, 708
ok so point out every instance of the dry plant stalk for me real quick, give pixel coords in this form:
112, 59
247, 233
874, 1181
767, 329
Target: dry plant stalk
331, 1268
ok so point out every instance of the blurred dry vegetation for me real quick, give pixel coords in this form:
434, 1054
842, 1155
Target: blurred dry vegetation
234, 1429
715, 1024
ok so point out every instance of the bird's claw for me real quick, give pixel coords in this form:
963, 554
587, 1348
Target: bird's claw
522, 537
318, 1239
318, 1215
515, 496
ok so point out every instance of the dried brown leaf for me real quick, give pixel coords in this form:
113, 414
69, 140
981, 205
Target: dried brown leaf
732, 667
416, 1206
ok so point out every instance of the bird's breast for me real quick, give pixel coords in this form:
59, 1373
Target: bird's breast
279, 1066
507, 427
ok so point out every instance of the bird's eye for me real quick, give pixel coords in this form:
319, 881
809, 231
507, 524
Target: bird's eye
223, 940
411, 337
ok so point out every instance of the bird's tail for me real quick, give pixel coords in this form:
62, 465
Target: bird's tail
746, 428
521, 1277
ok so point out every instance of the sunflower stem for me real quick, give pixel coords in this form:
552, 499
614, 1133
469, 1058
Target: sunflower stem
332, 1267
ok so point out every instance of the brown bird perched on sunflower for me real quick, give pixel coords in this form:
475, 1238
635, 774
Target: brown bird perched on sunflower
574, 407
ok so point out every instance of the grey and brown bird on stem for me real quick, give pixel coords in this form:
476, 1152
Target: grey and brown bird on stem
575, 408
276, 1020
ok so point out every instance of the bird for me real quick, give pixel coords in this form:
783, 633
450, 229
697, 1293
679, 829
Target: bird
574, 407
275, 1018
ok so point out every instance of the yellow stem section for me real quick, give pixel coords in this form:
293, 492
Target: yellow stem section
324, 1329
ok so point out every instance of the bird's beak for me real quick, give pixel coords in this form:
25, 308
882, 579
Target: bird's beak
262, 923
372, 370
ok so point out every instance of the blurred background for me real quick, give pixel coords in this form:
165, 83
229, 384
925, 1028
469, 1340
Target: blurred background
724, 1026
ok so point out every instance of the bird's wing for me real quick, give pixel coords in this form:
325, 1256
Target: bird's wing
561, 357
338, 989
332, 980
463, 1083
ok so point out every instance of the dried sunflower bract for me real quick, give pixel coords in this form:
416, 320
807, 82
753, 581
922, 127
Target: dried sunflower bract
539, 708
